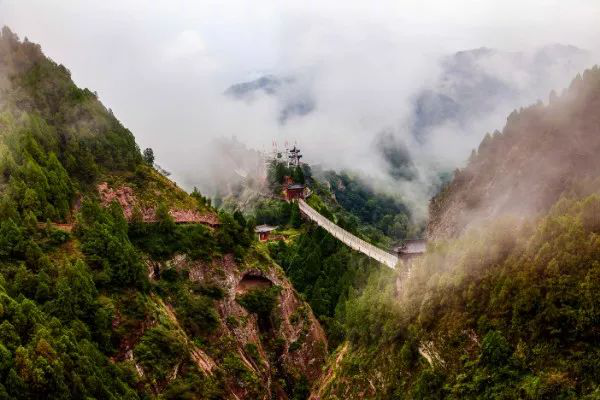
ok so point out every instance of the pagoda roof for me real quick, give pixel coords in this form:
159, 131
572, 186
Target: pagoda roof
296, 186
264, 228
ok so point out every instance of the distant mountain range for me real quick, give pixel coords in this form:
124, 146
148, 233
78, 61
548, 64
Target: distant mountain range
471, 84
477, 82
473, 92
291, 94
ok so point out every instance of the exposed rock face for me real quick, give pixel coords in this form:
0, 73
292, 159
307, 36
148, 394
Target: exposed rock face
294, 345
126, 198
250, 282
319, 389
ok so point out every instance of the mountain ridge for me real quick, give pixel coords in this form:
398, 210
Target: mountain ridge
501, 304
541, 153
111, 285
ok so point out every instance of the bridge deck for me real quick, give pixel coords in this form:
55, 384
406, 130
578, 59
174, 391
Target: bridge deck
347, 238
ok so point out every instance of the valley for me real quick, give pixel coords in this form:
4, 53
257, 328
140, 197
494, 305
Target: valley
286, 279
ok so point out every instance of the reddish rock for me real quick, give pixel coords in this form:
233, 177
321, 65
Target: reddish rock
127, 200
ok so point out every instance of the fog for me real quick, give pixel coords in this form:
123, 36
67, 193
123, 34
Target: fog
163, 68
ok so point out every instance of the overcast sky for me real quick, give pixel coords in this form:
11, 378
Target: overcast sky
162, 66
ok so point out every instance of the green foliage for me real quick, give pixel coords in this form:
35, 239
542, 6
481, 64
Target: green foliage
276, 173
295, 218
44, 357
202, 200
148, 156
325, 271
301, 389
277, 213
533, 138
210, 290
385, 213
72, 303
495, 350
159, 350
429, 385
260, 301
164, 239
297, 175
12, 241
191, 385
273, 212
509, 311
376, 308
197, 314
234, 235
238, 372
75, 293
104, 241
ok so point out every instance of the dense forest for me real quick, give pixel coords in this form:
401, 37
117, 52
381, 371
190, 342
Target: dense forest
505, 309
324, 270
523, 174
97, 303
383, 212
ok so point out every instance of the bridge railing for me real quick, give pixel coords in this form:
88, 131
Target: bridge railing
347, 238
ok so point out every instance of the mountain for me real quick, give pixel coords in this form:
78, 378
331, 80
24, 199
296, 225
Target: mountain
474, 90
471, 85
542, 152
114, 282
293, 97
479, 82
503, 304
471, 91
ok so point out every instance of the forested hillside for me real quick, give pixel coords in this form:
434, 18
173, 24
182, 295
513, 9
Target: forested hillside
102, 294
543, 151
115, 283
505, 309
323, 269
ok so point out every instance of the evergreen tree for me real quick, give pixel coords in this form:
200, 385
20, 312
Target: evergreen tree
149, 156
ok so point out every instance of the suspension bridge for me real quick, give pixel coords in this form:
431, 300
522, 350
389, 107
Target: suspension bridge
347, 238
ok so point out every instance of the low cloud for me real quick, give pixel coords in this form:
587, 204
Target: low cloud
163, 69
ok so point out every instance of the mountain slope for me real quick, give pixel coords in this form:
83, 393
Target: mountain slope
506, 308
542, 152
114, 282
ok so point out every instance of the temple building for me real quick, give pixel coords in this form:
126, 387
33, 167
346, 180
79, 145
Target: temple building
293, 191
264, 232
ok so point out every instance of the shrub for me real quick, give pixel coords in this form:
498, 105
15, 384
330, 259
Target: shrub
260, 301
158, 351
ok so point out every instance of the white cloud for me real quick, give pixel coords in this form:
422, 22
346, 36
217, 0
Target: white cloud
187, 43
162, 65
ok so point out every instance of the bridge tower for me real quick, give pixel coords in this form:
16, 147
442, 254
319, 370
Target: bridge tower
294, 156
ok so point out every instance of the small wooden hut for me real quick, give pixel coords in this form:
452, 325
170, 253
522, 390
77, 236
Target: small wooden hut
264, 232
